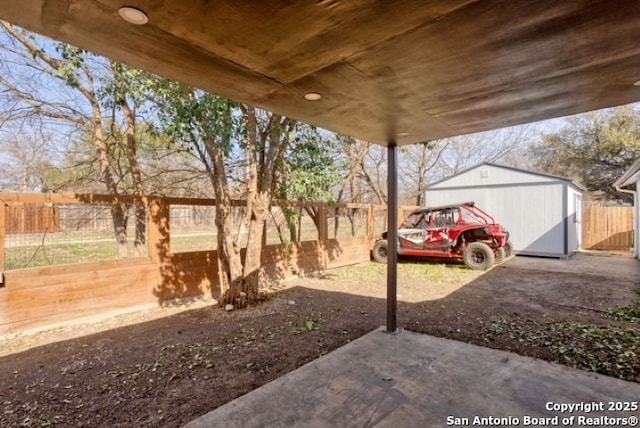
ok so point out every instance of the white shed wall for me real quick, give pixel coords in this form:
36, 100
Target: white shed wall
533, 214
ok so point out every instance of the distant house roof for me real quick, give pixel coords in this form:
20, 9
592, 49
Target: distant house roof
555, 177
630, 177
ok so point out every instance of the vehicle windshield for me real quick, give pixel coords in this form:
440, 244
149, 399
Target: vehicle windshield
415, 221
473, 216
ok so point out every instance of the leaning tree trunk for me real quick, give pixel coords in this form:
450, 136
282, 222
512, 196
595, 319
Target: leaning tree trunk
263, 159
228, 254
117, 210
136, 177
253, 256
229, 263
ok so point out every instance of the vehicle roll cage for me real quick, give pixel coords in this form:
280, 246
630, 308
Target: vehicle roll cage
470, 207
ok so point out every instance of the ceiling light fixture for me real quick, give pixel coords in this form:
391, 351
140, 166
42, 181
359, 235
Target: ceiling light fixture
402, 134
133, 16
312, 96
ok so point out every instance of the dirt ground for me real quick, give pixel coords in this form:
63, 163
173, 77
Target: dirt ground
165, 367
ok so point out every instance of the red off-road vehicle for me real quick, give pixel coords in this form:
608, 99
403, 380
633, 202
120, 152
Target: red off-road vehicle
452, 231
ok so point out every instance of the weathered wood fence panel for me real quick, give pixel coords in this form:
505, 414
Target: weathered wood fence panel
32, 218
607, 228
44, 296
39, 296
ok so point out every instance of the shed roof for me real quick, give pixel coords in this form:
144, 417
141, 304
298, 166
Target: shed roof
493, 165
630, 177
400, 71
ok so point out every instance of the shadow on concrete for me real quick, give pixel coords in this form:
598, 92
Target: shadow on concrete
409, 379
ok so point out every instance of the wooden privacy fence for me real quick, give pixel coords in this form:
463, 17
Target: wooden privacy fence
177, 260
607, 228
32, 218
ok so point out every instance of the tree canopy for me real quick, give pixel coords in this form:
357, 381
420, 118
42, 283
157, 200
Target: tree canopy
594, 149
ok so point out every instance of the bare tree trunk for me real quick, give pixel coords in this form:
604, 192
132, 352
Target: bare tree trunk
136, 177
261, 191
83, 81
117, 210
314, 213
229, 263
357, 150
257, 204
293, 230
375, 181
299, 223
253, 257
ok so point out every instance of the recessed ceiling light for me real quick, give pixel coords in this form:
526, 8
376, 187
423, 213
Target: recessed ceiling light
402, 134
133, 16
636, 83
312, 96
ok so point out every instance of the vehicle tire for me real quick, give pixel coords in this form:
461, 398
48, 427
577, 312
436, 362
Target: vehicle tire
380, 251
500, 255
508, 249
478, 256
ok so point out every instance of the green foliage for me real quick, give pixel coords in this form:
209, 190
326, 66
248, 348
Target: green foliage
196, 117
125, 83
308, 326
608, 350
310, 169
627, 313
594, 148
51, 254
72, 59
436, 272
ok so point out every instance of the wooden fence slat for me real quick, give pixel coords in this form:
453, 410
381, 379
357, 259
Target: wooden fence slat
607, 228
3, 234
31, 218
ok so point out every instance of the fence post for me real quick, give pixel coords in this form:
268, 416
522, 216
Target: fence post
323, 233
370, 222
159, 243
3, 233
400, 216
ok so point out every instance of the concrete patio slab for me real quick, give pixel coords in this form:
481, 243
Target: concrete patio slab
603, 263
410, 380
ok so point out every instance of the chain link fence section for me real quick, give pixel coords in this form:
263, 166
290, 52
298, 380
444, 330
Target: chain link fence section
55, 234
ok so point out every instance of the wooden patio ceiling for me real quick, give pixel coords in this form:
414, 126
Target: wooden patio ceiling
395, 71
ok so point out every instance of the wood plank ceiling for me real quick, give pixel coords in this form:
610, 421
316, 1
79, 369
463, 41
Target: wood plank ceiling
428, 68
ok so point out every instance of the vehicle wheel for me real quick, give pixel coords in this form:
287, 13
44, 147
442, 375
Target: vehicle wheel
478, 256
501, 254
380, 251
508, 249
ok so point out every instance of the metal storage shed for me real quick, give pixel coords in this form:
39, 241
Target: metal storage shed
542, 212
